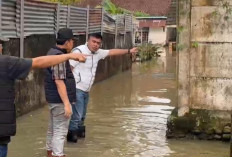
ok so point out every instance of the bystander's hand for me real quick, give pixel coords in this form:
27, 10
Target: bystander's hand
78, 57
134, 50
68, 110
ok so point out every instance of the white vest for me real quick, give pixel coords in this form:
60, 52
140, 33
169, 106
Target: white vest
84, 73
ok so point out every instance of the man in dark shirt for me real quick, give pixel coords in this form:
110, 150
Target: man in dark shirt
60, 92
14, 68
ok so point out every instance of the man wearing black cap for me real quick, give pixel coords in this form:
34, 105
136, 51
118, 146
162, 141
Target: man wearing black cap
12, 69
60, 94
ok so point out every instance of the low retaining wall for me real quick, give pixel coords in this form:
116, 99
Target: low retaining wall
200, 124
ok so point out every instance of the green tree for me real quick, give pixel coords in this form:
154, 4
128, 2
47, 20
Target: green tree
113, 9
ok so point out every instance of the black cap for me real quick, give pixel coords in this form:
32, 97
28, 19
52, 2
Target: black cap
65, 34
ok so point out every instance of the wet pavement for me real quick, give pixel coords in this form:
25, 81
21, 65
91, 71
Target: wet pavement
127, 117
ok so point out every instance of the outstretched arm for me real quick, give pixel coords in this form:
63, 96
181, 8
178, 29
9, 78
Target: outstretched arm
48, 61
114, 52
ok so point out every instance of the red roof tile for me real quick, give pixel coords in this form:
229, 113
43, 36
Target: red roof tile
152, 23
151, 7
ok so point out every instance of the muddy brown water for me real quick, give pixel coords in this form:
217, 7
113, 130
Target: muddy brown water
126, 117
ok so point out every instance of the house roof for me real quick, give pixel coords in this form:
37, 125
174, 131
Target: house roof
152, 23
152, 18
151, 7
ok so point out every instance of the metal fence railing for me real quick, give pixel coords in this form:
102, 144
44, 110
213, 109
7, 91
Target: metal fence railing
120, 24
38, 17
78, 20
21, 18
128, 22
95, 20
8, 19
109, 24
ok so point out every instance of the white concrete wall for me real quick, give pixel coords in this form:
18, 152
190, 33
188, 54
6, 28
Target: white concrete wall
205, 44
157, 35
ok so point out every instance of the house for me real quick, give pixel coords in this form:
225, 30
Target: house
151, 29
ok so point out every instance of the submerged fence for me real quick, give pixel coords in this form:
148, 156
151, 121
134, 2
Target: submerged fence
22, 18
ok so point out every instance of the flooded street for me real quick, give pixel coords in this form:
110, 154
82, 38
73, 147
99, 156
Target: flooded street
126, 117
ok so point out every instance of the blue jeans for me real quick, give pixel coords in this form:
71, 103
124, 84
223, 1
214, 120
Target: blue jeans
79, 110
3, 150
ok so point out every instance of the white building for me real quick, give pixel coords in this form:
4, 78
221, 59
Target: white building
151, 30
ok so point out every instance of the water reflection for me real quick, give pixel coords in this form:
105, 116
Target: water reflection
154, 99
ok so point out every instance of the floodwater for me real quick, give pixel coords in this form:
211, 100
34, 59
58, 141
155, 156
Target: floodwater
127, 117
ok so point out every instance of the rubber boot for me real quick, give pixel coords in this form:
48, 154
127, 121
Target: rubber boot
81, 132
49, 153
72, 136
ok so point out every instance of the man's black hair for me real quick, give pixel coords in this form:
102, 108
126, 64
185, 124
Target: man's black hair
60, 41
96, 35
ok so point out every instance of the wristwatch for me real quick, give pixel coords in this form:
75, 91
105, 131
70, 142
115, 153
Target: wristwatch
128, 51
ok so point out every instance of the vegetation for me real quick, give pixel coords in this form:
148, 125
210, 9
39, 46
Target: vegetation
66, 2
147, 51
195, 44
107, 5
113, 9
140, 14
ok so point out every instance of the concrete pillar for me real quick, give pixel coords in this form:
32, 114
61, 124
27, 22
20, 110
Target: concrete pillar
184, 29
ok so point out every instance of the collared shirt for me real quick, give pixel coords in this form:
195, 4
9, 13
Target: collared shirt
84, 73
59, 71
